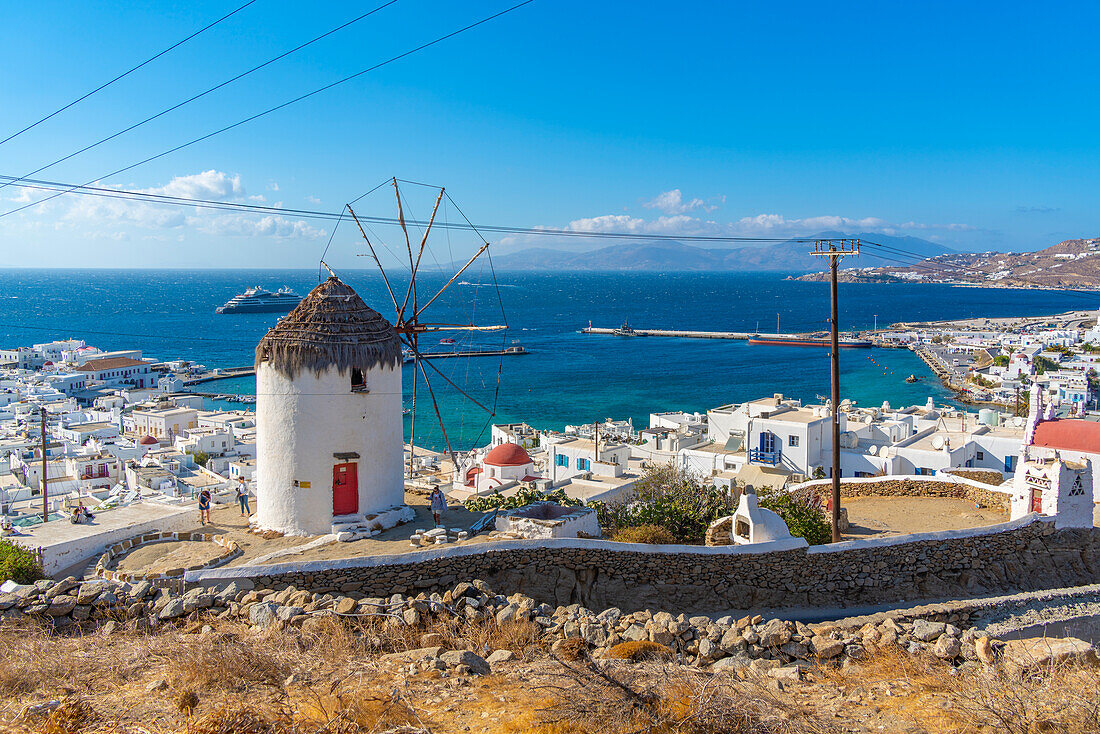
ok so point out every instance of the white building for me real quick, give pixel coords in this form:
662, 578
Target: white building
577, 457
1056, 488
120, 371
505, 466
328, 412
164, 423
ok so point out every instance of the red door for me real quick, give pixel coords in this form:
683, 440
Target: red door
1036, 500
345, 489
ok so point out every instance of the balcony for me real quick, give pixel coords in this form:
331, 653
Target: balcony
771, 458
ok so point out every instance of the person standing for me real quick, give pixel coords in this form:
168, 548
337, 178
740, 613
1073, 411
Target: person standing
438, 502
204, 506
242, 497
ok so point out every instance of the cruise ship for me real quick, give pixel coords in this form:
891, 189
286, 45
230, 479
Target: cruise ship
259, 300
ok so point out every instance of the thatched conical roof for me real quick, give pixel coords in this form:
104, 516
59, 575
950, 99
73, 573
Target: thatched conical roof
331, 327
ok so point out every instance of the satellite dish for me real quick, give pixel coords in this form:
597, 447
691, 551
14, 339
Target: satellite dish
867, 419
872, 450
938, 442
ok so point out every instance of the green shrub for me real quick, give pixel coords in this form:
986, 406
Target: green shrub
523, 497
18, 564
201, 457
803, 520
669, 497
654, 534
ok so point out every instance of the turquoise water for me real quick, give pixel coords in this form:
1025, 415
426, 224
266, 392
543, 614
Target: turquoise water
568, 377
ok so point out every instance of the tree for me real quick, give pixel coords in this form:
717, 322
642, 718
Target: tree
670, 497
1001, 360
1042, 365
201, 457
18, 564
803, 520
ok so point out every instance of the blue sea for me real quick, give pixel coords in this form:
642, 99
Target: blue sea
567, 377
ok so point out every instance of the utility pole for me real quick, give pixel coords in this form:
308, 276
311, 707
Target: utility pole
834, 250
596, 438
45, 476
876, 322
777, 323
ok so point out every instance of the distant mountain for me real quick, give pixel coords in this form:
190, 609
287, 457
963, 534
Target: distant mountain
786, 257
1071, 264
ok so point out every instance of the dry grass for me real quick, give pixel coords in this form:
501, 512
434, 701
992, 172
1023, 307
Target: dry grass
329, 679
641, 650
1062, 698
665, 699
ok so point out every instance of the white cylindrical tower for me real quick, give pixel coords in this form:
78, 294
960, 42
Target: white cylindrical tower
328, 415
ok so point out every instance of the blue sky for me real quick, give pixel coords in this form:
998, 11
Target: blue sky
971, 124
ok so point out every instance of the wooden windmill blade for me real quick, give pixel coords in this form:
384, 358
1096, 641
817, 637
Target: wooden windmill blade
408, 312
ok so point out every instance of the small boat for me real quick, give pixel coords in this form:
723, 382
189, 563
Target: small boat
448, 340
912, 378
625, 330
809, 341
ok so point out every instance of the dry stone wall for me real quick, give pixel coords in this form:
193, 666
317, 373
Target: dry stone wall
912, 488
1023, 555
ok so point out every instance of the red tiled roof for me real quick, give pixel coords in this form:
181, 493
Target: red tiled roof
109, 363
507, 454
1068, 434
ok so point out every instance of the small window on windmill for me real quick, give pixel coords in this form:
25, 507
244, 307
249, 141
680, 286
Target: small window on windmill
358, 380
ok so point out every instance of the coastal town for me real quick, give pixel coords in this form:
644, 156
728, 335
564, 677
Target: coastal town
544, 368
141, 503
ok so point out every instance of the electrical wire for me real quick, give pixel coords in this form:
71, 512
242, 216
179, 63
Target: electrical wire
126, 73
288, 103
205, 92
925, 263
151, 198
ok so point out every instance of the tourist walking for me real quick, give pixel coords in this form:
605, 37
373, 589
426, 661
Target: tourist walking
242, 498
204, 507
438, 504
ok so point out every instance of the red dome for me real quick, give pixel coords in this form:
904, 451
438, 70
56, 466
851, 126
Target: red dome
148, 441
507, 454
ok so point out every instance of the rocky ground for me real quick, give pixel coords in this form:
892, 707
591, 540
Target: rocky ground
472, 660
470, 632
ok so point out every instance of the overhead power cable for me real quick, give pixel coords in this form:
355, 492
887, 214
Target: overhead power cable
205, 92
165, 199
295, 100
126, 73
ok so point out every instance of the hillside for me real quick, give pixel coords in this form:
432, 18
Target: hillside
656, 256
1071, 264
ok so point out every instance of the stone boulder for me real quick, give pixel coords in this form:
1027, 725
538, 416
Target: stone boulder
263, 615
477, 664
1039, 653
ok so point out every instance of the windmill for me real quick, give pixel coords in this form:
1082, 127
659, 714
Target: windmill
411, 321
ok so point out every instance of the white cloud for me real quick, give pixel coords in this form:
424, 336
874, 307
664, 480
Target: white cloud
102, 217
760, 225
672, 202
206, 185
313, 200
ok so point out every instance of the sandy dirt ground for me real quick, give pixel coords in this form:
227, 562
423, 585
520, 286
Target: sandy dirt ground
227, 519
877, 516
161, 557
